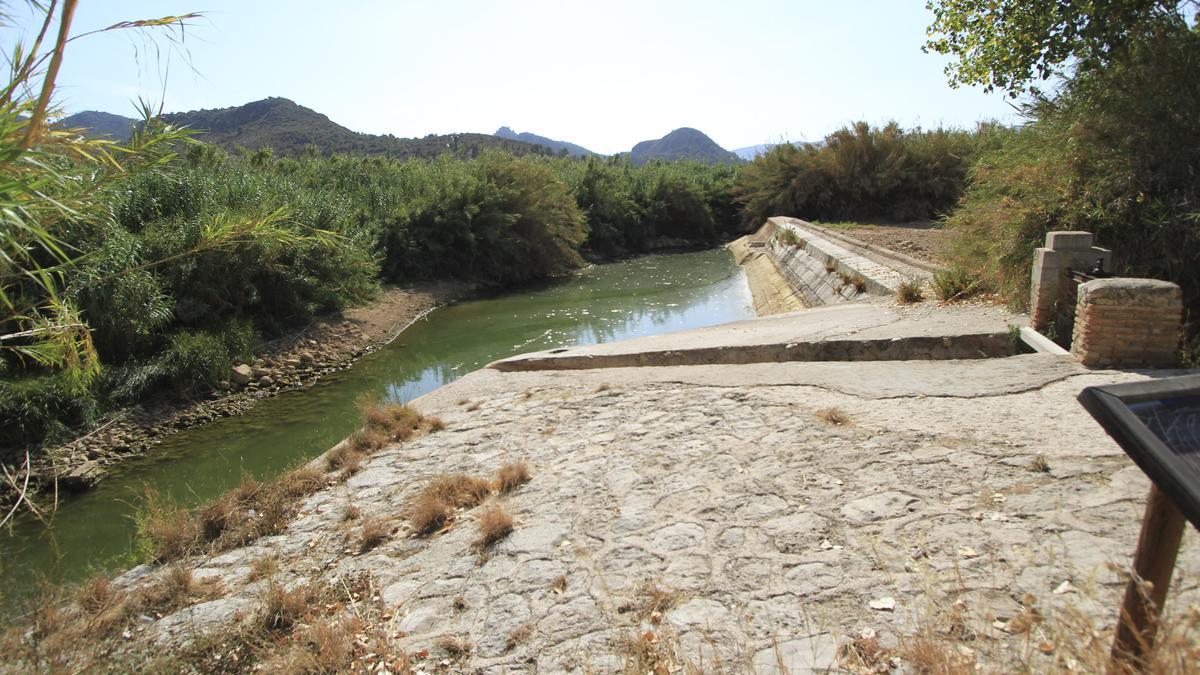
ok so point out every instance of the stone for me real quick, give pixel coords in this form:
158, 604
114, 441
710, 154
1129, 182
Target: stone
265, 381
240, 374
82, 477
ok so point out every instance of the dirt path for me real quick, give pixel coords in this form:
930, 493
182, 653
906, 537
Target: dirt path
924, 240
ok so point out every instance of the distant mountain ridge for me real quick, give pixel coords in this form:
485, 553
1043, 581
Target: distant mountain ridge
557, 146
289, 129
101, 124
683, 143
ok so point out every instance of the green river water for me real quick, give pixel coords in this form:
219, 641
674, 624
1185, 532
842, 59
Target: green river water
644, 296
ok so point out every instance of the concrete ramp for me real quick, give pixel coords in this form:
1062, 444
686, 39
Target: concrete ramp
843, 332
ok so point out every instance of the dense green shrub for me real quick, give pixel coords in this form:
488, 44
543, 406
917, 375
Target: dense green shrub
1116, 153
38, 407
860, 172
196, 361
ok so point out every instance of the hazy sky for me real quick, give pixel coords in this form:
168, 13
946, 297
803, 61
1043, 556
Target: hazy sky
604, 74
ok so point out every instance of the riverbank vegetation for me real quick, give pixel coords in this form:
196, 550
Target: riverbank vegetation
1114, 151
864, 172
169, 312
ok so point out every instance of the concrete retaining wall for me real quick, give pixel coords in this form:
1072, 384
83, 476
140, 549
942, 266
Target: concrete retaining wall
821, 271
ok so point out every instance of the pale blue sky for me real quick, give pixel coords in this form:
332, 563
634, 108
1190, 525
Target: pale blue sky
604, 74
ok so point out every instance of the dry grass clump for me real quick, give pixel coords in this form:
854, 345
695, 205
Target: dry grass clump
375, 531
428, 514
348, 457
351, 512
650, 602
830, 266
511, 476
648, 652
559, 585
834, 417
167, 532
454, 646
434, 506
494, 524
282, 608
263, 568
476, 405
859, 283
1039, 464
518, 635
909, 292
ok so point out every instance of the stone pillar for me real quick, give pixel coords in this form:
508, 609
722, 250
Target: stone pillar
1128, 323
1052, 294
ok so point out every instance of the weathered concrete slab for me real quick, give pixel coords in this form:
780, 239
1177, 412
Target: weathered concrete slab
784, 537
843, 332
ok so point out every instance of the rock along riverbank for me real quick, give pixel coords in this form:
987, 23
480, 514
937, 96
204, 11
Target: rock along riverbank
328, 345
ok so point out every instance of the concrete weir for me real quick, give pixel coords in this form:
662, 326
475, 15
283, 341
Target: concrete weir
847, 332
824, 268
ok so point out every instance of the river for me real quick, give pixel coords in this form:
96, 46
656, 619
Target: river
643, 296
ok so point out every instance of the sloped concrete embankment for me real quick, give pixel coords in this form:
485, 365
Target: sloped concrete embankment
823, 269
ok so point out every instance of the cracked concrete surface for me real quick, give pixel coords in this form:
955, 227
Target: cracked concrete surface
781, 535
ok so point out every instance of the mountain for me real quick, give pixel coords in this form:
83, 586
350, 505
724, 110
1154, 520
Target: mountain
557, 146
100, 124
750, 152
289, 128
685, 143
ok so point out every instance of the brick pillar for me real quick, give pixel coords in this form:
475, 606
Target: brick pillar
1052, 293
1127, 323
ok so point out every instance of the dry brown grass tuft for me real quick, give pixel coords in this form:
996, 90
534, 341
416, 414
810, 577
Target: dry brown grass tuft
454, 646
167, 532
859, 283
511, 476
559, 584
428, 514
603, 387
283, 608
263, 568
459, 490
366, 441
649, 652
348, 457
830, 266
351, 512
909, 292
174, 589
518, 635
375, 531
494, 524
1039, 464
95, 594
476, 405
834, 417
651, 601
435, 423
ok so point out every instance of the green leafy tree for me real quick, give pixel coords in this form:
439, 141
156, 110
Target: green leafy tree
1010, 44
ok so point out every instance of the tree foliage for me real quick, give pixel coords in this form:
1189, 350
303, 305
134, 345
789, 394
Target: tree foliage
1009, 44
862, 172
